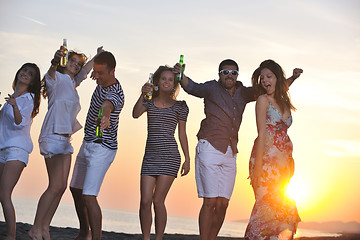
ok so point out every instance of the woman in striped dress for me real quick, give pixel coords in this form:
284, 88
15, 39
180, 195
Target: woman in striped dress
162, 159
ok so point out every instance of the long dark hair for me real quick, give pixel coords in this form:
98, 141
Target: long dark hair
156, 79
281, 96
61, 69
34, 87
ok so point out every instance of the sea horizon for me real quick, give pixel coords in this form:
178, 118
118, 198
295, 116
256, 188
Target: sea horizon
125, 221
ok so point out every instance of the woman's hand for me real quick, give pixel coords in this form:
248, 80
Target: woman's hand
17, 115
147, 87
11, 100
296, 73
185, 167
57, 56
256, 176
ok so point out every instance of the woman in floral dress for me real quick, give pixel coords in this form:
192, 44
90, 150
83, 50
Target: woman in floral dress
274, 215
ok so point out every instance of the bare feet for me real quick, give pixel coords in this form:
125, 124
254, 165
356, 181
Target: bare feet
83, 236
10, 238
46, 235
35, 235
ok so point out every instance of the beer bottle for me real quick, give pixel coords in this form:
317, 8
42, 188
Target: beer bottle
64, 59
179, 76
99, 132
148, 95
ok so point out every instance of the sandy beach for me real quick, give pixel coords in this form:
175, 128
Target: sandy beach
70, 233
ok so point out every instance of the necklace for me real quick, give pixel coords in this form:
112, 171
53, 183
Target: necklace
20, 93
163, 104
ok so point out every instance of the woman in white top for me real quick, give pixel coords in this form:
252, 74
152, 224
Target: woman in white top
15, 142
59, 124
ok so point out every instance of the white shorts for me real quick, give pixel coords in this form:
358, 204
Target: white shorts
12, 154
55, 144
215, 171
92, 163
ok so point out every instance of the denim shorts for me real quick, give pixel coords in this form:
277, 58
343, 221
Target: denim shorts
13, 154
55, 144
215, 171
92, 163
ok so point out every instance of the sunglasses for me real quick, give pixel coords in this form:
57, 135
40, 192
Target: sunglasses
226, 72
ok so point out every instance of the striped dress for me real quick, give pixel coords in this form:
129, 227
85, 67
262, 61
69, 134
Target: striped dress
162, 156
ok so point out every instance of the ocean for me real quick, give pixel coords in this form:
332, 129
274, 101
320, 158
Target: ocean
128, 222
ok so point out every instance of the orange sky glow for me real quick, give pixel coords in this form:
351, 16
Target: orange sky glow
322, 37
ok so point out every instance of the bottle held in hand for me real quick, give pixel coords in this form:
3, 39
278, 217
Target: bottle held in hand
64, 59
99, 133
179, 76
148, 95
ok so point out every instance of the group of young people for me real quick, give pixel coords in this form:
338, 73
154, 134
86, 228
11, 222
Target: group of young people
271, 162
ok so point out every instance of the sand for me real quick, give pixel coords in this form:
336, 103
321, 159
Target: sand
57, 233
70, 233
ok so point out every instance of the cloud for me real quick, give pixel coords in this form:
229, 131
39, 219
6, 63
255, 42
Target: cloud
33, 20
342, 148
331, 12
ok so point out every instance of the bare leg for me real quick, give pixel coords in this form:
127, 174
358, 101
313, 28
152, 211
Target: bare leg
9, 176
218, 217
84, 233
94, 215
205, 217
163, 184
147, 185
58, 168
64, 175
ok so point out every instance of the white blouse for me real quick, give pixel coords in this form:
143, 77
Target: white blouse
63, 104
12, 135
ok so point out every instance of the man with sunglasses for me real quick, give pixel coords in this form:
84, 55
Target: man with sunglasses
215, 161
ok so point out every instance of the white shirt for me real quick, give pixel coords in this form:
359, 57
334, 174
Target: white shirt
63, 104
12, 135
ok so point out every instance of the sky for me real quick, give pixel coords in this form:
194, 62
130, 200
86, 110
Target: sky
320, 36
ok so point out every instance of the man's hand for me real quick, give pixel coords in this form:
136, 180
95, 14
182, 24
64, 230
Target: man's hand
178, 68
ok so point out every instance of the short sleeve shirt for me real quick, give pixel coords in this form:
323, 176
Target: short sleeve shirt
115, 95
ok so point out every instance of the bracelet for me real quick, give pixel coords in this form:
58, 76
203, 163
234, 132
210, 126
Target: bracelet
54, 62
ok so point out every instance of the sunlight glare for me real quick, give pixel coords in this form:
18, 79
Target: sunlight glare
297, 190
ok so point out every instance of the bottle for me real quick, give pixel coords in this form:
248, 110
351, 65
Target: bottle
179, 76
99, 132
64, 59
148, 95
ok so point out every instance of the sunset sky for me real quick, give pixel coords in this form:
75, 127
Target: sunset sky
320, 36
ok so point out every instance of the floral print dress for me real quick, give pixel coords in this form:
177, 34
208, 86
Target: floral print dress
274, 215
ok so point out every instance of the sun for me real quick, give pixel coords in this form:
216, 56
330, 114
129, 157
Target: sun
298, 190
